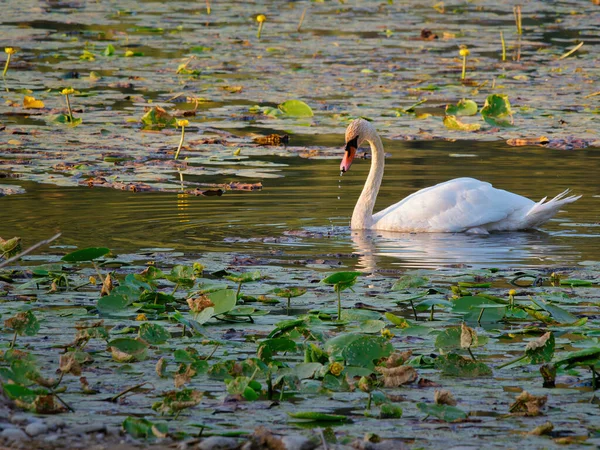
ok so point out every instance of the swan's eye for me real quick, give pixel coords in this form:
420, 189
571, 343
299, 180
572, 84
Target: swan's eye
352, 144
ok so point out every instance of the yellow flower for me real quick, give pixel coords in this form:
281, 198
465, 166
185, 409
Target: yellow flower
67, 91
464, 52
512, 292
92, 280
183, 123
129, 53
336, 368
10, 50
261, 18
141, 317
386, 333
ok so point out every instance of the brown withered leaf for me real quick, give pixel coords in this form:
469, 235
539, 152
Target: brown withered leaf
518, 142
428, 35
397, 376
443, 397
539, 342
199, 304
47, 404
184, 375
263, 439
237, 186
69, 364
398, 358
425, 382
543, 429
467, 336
160, 367
207, 192
272, 139
107, 286
528, 405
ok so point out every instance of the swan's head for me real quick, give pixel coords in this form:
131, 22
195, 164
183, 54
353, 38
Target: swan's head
358, 131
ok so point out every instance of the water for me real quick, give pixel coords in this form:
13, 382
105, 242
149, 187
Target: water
371, 64
304, 214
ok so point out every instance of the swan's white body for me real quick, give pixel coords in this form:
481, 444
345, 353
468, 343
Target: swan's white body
459, 205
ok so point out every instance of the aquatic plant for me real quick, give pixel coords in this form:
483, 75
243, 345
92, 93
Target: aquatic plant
9, 52
182, 124
464, 52
340, 282
261, 19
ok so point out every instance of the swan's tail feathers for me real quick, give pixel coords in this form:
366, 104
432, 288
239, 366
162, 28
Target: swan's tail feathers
544, 210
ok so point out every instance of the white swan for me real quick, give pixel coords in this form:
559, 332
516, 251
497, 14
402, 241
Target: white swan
459, 205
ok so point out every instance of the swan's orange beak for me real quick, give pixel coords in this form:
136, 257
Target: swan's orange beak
348, 156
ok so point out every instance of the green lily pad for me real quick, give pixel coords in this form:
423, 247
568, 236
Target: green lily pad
446, 413
452, 123
457, 366
496, 110
318, 416
296, 108
153, 333
86, 254
464, 107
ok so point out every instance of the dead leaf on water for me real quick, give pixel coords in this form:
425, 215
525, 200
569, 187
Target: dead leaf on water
528, 405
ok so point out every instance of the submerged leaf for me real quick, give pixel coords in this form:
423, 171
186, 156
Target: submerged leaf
452, 123
446, 413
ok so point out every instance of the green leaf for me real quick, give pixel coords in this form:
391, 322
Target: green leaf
496, 110
296, 108
446, 413
153, 333
409, 281
268, 347
157, 117
143, 429
452, 123
341, 280
464, 107
471, 306
65, 119
366, 349
224, 301
109, 50
86, 254
17, 392
558, 313
127, 349
456, 366
318, 416
541, 354
289, 292
245, 277
575, 283
449, 339
585, 357
372, 326
23, 323
114, 304
389, 411
429, 302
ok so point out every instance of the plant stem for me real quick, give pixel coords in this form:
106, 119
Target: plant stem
14, 339
180, 142
175, 289
517, 13
69, 108
237, 294
302, 19
129, 389
339, 305
213, 352
464, 67
65, 404
288, 307
503, 46
431, 314
480, 315
501, 366
260, 25
208, 7
100, 278
369, 402
471, 353
412, 305
6, 65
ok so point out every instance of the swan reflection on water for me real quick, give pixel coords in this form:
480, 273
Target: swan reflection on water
435, 250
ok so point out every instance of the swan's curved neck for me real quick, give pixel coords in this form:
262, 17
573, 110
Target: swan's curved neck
362, 217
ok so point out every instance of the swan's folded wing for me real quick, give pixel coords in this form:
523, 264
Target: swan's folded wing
454, 206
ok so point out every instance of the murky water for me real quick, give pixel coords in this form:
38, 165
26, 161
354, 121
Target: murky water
304, 213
